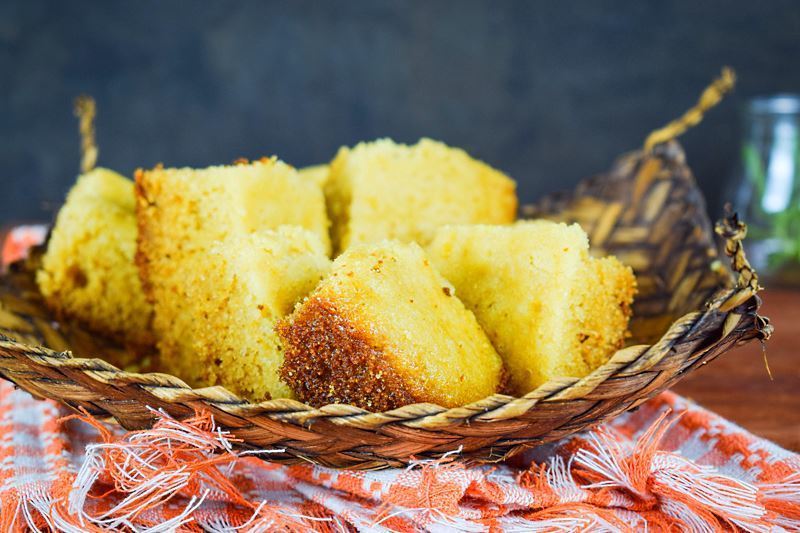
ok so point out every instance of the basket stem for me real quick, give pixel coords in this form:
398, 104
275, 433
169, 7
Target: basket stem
85, 110
710, 98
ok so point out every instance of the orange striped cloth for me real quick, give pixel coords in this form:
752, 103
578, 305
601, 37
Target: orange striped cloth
670, 465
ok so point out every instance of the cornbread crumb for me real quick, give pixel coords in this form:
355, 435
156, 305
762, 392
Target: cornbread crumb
382, 190
183, 212
549, 308
88, 272
379, 332
236, 292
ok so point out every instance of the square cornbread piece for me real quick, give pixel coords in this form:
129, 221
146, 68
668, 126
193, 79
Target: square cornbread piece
182, 212
88, 272
236, 293
383, 330
549, 308
383, 190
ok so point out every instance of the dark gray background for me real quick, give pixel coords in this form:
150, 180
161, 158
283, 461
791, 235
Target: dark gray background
548, 91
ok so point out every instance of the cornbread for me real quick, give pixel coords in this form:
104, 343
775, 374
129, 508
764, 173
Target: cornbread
88, 272
236, 292
317, 173
549, 308
183, 212
382, 190
383, 330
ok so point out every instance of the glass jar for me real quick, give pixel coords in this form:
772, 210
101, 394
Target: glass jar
767, 192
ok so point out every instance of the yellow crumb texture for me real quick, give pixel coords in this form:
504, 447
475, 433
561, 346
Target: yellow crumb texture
384, 330
383, 190
236, 292
317, 173
182, 212
549, 308
88, 271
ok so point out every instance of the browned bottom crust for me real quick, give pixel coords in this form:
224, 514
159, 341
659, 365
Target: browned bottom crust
126, 350
328, 359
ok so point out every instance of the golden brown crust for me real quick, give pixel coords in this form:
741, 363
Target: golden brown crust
329, 359
134, 347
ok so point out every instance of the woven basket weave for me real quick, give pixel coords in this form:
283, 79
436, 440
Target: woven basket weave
647, 210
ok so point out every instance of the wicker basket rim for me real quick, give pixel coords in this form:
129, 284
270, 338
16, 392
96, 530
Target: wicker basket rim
741, 286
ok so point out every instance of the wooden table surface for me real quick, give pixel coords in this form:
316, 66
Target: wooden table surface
736, 385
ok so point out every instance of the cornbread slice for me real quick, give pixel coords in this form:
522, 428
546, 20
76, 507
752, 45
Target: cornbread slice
549, 308
383, 330
183, 212
382, 190
607, 299
88, 271
237, 291
317, 173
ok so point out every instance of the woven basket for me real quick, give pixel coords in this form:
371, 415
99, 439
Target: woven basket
647, 211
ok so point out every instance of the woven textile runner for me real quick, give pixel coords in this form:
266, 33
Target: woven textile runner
670, 465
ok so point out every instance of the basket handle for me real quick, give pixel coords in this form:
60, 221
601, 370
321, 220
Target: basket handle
85, 110
712, 95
